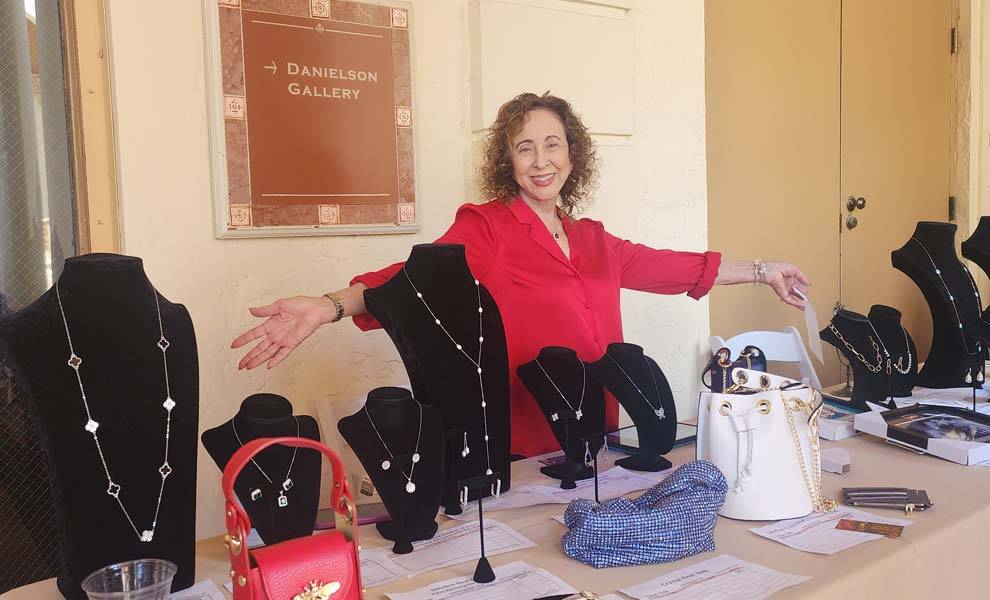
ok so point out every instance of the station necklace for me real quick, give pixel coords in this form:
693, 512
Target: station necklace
952, 299
584, 380
473, 361
387, 463
114, 489
658, 409
282, 499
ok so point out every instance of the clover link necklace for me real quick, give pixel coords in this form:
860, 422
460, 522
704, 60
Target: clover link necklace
460, 348
282, 499
584, 380
114, 489
657, 410
387, 463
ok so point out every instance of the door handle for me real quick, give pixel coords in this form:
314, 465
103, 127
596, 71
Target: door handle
852, 203
851, 222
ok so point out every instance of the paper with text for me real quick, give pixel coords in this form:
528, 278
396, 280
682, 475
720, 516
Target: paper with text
204, 590
460, 544
721, 578
513, 581
817, 533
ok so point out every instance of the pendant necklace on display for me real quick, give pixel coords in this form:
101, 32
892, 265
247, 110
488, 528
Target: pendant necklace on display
475, 362
899, 365
952, 301
387, 463
282, 499
114, 489
584, 380
658, 409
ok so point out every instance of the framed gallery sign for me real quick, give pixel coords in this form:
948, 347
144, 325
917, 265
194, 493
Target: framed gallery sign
311, 117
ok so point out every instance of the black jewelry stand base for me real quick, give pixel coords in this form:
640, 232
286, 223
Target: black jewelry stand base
650, 463
568, 472
403, 543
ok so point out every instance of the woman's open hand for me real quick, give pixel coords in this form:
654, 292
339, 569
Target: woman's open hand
289, 322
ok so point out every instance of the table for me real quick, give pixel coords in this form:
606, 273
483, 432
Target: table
940, 556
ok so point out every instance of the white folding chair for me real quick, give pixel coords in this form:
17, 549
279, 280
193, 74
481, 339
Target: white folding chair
783, 346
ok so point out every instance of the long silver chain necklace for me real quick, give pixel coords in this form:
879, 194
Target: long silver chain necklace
584, 380
387, 463
114, 489
476, 363
658, 409
952, 301
282, 499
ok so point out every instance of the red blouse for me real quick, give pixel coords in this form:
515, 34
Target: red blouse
547, 300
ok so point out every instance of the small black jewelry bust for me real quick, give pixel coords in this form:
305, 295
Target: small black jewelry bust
280, 488
400, 444
573, 403
879, 351
959, 332
641, 387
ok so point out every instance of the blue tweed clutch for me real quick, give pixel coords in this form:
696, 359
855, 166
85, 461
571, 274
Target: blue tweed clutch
671, 520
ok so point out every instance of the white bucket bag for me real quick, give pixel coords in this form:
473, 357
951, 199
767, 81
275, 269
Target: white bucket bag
763, 435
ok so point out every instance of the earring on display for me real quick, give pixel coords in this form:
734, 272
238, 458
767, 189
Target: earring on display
588, 458
496, 488
464, 497
466, 450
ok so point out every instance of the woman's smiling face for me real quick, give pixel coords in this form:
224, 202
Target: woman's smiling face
540, 159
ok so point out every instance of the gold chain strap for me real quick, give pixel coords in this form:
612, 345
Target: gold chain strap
861, 358
813, 483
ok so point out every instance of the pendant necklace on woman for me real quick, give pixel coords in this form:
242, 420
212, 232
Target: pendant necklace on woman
584, 380
387, 463
282, 499
475, 362
658, 409
114, 489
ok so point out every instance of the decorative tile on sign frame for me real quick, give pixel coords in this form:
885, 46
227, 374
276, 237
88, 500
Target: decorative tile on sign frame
329, 214
319, 9
234, 3
400, 18
240, 215
403, 116
234, 107
407, 212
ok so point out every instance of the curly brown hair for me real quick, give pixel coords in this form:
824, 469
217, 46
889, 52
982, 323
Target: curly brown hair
496, 177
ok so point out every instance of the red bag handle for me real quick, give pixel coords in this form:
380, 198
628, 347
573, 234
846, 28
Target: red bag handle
238, 522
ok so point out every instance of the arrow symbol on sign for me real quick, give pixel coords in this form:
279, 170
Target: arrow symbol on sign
272, 67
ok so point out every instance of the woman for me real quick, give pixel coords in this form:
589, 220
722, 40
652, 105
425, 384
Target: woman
555, 278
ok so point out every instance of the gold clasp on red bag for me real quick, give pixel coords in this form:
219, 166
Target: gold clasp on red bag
233, 543
317, 590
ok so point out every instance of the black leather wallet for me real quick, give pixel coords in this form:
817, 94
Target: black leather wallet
887, 497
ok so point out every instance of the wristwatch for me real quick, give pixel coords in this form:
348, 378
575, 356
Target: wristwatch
337, 304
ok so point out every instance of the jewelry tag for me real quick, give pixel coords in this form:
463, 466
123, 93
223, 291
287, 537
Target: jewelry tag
811, 323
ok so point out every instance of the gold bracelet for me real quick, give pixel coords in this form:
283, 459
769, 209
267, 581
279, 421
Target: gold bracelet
337, 304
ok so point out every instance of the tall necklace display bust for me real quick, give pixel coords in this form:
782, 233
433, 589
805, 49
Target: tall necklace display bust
929, 258
977, 249
400, 444
449, 334
146, 444
879, 351
641, 387
573, 403
280, 488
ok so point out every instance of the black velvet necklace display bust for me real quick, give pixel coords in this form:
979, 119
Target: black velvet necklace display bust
656, 435
881, 379
977, 249
956, 352
396, 416
440, 374
568, 373
264, 416
110, 309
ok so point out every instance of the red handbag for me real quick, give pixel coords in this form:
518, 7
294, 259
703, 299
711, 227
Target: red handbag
322, 566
